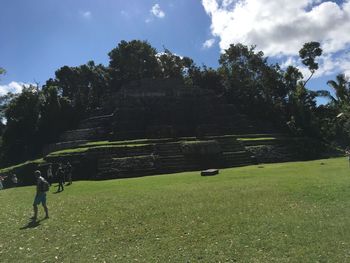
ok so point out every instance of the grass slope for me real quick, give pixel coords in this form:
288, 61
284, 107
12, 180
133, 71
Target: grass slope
289, 212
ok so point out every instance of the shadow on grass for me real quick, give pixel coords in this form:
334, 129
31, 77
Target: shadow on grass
31, 224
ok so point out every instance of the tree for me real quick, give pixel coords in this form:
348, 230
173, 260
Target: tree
56, 115
83, 85
133, 60
171, 65
210, 79
341, 87
2, 71
308, 54
250, 82
20, 140
292, 77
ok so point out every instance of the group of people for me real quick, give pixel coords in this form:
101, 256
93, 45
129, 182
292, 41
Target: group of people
13, 181
63, 174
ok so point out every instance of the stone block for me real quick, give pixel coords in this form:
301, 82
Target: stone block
210, 172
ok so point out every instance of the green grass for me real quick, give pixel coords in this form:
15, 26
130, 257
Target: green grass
288, 212
85, 149
257, 139
10, 168
126, 142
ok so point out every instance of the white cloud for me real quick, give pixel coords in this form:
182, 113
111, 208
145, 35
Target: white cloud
86, 14
13, 87
281, 27
157, 11
208, 43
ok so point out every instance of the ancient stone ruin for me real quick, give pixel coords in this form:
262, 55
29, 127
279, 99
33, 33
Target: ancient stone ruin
161, 126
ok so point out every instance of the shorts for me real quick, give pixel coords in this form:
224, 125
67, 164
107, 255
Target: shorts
40, 198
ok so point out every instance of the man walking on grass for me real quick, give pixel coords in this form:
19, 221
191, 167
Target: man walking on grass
42, 186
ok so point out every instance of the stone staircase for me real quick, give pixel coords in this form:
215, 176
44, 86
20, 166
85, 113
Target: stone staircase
109, 159
272, 147
91, 129
234, 153
171, 159
160, 156
163, 157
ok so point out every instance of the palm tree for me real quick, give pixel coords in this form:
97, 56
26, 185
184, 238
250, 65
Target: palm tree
342, 90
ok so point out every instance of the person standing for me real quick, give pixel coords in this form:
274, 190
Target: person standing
42, 186
49, 174
1, 185
60, 178
68, 172
14, 180
347, 152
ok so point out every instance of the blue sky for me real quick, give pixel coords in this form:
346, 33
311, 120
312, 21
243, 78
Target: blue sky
40, 36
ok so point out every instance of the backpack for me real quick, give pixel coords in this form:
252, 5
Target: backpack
45, 186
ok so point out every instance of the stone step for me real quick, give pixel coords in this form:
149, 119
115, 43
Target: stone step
96, 121
84, 134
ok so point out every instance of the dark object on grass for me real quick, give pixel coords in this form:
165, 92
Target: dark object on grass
209, 172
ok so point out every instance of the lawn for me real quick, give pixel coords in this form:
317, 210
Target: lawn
288, 212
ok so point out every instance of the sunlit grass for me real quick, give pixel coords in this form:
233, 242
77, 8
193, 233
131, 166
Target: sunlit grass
10, 168
287, 212
87, 148
257, 139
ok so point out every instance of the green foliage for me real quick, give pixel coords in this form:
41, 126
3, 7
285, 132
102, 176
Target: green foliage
132, 61
308, 54
341, 87
171, 65
20, 139
291, 77
2, 71
83, 85
251, 83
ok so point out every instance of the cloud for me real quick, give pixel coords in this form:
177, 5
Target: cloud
157, 11
208, 43
280, 27
13, 87
86, 14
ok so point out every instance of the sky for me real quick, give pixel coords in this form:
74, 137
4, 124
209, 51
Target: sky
40, 36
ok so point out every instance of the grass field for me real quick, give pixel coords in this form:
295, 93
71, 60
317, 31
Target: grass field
289, 212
